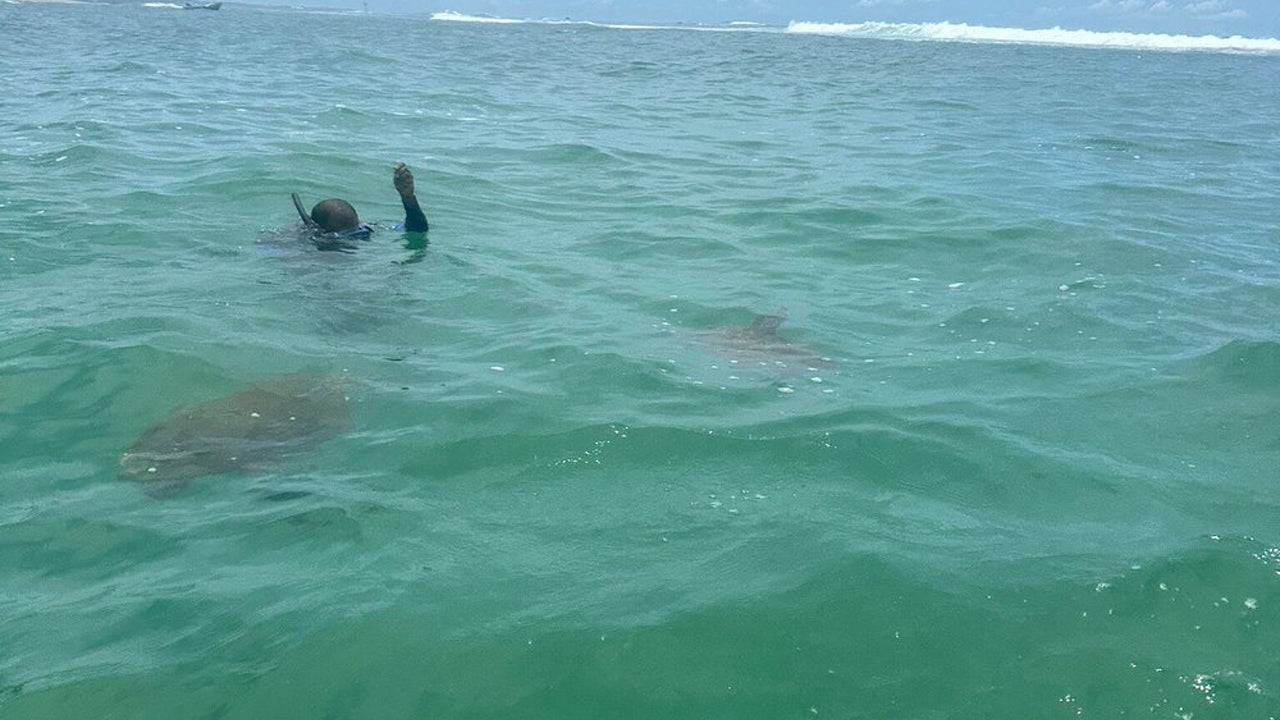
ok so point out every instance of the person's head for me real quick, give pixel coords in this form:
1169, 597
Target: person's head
334, 215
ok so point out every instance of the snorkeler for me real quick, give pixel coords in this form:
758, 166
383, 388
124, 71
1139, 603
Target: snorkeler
337, 217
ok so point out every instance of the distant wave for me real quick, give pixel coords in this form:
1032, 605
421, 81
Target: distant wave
451, 16
941, 32
960, 32
161, 5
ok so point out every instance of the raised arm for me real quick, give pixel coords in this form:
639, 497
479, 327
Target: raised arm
414, 219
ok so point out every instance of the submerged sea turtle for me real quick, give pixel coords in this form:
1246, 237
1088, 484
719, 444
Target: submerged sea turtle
251, 429
759, 343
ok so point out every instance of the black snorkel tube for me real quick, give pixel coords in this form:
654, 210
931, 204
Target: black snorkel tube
302, 212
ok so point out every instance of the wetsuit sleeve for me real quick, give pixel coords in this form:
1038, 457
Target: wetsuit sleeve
414, 219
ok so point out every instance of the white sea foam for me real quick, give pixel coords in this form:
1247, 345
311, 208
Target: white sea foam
938, 32
960, 32
161, 5
452, 16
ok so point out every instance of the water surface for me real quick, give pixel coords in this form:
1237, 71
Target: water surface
1030, 474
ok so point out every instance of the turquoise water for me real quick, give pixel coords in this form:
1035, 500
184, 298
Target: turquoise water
1013, 454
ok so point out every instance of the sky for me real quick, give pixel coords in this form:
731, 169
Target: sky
1251, 18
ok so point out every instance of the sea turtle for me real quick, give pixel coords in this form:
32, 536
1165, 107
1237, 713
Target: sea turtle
252, 429
759, 343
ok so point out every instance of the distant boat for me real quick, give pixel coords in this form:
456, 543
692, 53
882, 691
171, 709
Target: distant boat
202, 6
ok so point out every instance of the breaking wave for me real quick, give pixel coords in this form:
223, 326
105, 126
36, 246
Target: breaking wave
960, 32
938, 32
451, 16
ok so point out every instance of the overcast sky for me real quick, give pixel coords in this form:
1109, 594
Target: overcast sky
1257, 18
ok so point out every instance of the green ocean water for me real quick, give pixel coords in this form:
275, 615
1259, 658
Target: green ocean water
1012, 455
